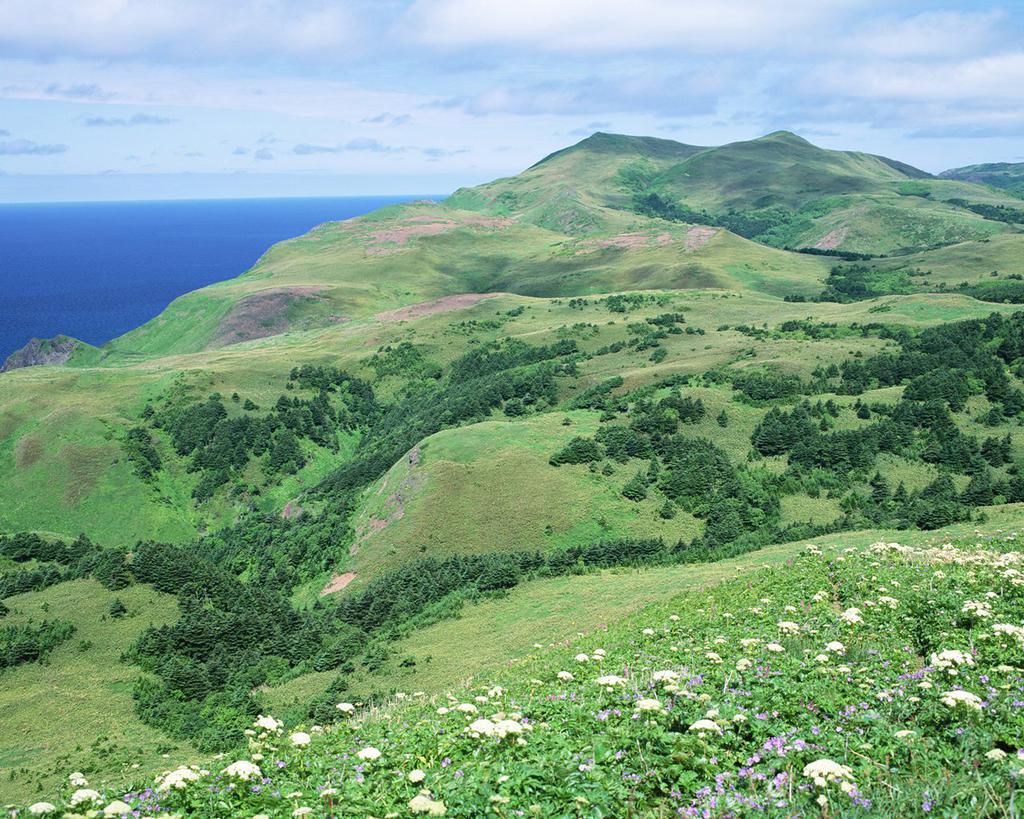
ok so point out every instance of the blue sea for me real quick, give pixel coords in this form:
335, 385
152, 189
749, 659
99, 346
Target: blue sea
95, 270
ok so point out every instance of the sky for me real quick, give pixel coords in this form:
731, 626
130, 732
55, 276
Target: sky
149, 99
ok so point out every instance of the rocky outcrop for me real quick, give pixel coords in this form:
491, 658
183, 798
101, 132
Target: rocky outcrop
39, 351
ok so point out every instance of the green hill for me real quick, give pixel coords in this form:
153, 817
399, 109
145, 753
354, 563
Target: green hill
402, 449
1008, 176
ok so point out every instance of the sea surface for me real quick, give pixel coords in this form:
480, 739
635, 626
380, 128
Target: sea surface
95, 270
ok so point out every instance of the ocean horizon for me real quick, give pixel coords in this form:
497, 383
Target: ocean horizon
95, 270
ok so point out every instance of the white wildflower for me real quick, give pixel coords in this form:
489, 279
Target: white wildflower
300, 739
369, 754
980, 609
965, 698
422, 803
951, 659
84, 796
824, 771
267, 723
177, 779
243, 769
852, 616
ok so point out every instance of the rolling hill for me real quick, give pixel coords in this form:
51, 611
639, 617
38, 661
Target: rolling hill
1008, 176
402, 449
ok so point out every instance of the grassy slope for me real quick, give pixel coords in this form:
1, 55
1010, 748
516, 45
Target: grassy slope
965, 261
555, 611
489, 486
60, 427
1008, 176
75, 711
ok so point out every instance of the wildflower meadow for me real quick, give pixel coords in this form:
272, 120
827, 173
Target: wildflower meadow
877, 680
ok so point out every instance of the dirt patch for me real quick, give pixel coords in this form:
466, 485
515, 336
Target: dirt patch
624, 241
698, 236
395, 238
394, 504
832, 239
338, 582
260, 315
291, 510
27, 451
84, 466
441, 305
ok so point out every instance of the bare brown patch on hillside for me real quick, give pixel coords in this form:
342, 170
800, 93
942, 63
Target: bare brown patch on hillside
441, 305
396, 236
698, 236
337, 583
832, 239
27, 451
84, 466
394, 504
262, 314
291, 510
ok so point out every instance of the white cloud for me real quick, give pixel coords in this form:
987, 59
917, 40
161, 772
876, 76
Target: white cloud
943, 34
95, 121
26, 147
614, 26
996, 77
177, 29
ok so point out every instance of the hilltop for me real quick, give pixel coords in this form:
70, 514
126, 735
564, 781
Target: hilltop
1008, 176
635, 368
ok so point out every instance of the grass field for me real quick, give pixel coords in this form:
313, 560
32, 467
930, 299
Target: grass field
74, 712
505, 629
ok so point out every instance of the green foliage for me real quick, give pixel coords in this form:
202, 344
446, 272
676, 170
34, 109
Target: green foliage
139, 448
578, 451
998, 213
220, 447
854, 282
635, 488
404, 359
30, 644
